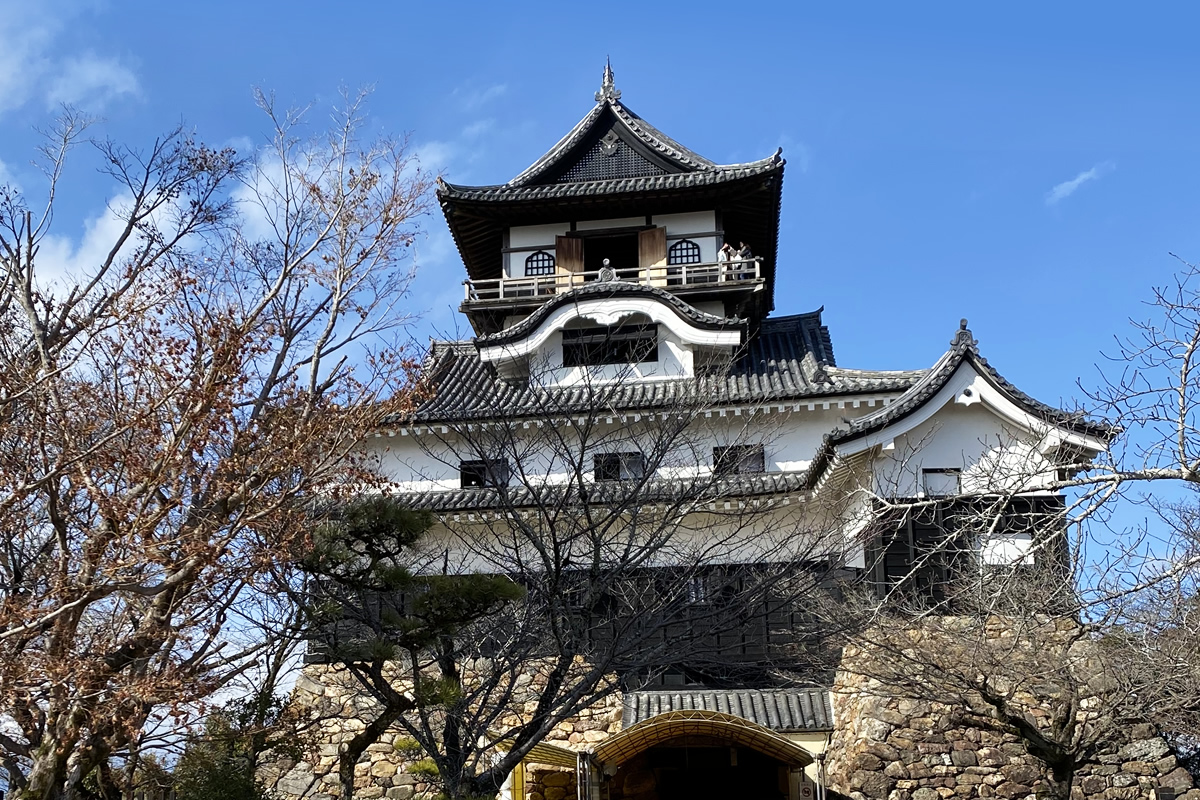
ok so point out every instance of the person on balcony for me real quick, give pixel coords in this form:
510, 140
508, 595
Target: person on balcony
745, 256
725, 255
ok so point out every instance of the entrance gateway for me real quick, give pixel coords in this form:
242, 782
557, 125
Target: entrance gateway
690, 754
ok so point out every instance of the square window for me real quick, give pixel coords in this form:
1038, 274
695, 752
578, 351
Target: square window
739, 459
485, 472
941, 482
619, 466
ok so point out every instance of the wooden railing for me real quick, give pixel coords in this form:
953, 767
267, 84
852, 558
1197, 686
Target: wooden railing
670, 277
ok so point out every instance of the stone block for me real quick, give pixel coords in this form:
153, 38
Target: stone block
1144, 750
894, 769
1118, 793
1138, 768
383, 769
1011, 789
399, 793
899, 794
1165, 765
1179, 780
1093, 784
883, 750
872, 784
991, 757
1021, 773
963, 758
369, 792
925, 793
557, 778
875, 730
866, 761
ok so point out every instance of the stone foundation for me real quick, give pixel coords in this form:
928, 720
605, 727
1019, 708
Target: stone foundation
883, 748
335, 705
888, 748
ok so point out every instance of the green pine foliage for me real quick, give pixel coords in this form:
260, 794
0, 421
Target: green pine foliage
216, 765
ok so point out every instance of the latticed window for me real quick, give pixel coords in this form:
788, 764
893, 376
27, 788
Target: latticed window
685, 251
540, 263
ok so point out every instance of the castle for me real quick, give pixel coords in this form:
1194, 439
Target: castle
603, 296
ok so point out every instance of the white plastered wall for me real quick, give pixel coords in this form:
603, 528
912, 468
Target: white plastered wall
699, 226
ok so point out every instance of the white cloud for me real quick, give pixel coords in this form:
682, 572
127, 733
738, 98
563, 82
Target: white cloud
477, 129
61, 260
91, 82
33, 68
1067, 188
469, 99
7, 179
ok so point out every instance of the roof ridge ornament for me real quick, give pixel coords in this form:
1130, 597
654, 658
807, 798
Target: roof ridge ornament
608, 90
963, 335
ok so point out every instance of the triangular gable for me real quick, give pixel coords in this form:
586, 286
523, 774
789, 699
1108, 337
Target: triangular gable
611, 142
960, 376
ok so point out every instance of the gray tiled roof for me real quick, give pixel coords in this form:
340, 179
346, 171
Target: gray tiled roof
601, 493
777, 709
790, 358
632, 185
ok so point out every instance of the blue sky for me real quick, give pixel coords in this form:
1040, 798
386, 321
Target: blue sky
1026, 165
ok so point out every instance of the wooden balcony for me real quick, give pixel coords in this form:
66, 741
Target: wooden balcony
679, 278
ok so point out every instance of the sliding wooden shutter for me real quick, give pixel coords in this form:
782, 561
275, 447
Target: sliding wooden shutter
569, 252
652, 255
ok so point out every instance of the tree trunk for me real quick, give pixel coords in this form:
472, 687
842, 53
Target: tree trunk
47, 776
358, 745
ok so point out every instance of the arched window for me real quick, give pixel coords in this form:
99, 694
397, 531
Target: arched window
685, 251
540, 263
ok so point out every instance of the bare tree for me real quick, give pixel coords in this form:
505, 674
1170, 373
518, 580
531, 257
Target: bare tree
162, 412
1069, 643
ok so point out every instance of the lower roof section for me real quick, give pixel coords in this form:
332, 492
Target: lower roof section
788, 358
783, 710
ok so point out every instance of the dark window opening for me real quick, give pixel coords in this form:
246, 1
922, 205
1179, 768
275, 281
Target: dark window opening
622, 344
621, 250
619, 466
685, 251
739, 459
482, 473
941, 482
540, 263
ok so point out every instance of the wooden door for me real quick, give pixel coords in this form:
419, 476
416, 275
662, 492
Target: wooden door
652, 255
568, 254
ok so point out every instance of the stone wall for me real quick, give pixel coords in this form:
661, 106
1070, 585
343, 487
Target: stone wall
550, 784
888, 748
334, 703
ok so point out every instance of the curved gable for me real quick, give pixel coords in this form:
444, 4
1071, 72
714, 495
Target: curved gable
609, 304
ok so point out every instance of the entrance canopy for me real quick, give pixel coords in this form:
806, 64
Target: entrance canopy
675, 724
